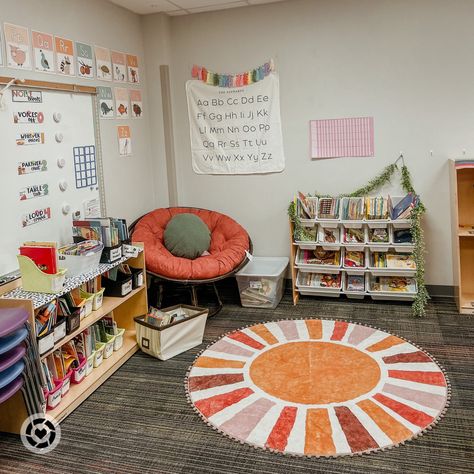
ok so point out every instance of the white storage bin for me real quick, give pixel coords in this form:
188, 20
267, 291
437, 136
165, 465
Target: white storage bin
311, 284
382, 293
317, 268
78, 264
261, 282
352, 293
329, 237
167, 341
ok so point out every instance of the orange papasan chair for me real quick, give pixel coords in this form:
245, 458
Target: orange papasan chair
230, 243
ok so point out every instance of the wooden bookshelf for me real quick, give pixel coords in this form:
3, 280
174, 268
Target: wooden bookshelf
462, 217
13, 412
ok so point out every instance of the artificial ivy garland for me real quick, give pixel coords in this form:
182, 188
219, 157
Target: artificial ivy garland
300, 232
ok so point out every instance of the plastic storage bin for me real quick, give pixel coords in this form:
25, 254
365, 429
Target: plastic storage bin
121, 287
118, 341
53, 398
99, 353
78, 264
90, 363
261, 282
164, 342
109, 346
33, 279
79, 373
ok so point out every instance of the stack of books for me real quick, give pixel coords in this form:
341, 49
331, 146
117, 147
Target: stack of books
320, 256
328, 208
393, 260
353, 208
58, 364
43, 254
354, 259
93, 286
378, 235
320, 280
403, 208
83, 248
354, 236
110, 231
376, 208
260, 292
394, 284
306, 207
46, 318
355, 283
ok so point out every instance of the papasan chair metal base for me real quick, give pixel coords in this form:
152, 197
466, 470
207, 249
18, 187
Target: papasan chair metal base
229, 243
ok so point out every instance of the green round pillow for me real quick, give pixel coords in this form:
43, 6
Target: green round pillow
186, 235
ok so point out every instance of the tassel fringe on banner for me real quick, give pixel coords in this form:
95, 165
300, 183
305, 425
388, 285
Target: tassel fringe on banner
233, 80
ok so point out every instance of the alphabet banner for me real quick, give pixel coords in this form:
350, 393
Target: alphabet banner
236, 130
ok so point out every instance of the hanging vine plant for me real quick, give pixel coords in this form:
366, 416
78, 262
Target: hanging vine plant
421, 299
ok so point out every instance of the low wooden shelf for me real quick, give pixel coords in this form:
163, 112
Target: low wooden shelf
13, 412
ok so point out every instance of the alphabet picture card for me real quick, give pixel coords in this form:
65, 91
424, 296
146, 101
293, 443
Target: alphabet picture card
125, 140
106, 102
64, 56
103, 63
121, 103
132, 69
119, 66
43, 51
17, 42
136, 104
85, 60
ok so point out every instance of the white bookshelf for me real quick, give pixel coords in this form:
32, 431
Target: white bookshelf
368, 271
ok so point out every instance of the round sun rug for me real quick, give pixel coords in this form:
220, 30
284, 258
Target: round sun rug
317, 388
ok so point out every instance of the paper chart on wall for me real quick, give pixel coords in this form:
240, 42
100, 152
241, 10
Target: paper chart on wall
106, 102
121, 103
85, 60
103, 63
125, 140
64, 56
136, 103
119, 66
43, 51
17, 43
132, 69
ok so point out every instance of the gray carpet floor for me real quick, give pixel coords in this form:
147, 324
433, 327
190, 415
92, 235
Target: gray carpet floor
139, 420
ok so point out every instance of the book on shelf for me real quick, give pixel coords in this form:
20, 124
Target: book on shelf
402, 236
320, 256
46, 318
402, 209
394, 284
109, 230
354, 259
353, 208
83, 248
306, 207
378, 235
355, 282
393, 260
328, 208
320, 280
43, 254
353, 236
330, 236
376, 208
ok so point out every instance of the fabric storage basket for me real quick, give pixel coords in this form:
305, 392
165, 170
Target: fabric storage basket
78, 264
167, 341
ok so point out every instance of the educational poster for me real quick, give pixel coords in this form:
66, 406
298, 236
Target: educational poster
103, 63
236, 130
34, 191
132, 69
64, 56
121, 103
85, 168
335, 138
136, 104
39, 215
43, 51
33, 166
106, 102
30, 138
119, 66
85, 60
125, 140
17, 44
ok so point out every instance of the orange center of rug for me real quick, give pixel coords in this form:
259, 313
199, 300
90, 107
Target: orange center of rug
315, 372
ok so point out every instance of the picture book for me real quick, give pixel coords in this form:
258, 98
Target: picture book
328, 208
353, 208
355, 283
378, 235
45, 257
376, 208
320, 280
328, 235
320, 256
394, 284
354, 259
353, 236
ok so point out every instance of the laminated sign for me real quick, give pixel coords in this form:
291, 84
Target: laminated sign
28, 116
236, 130
36, 190
30, 138
36, 216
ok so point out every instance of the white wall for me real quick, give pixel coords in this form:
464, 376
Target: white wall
406, 62
133, 185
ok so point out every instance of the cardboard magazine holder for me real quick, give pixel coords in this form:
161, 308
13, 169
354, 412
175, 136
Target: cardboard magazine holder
164, 342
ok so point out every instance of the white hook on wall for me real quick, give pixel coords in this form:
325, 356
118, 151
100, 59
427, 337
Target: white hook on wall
2, 92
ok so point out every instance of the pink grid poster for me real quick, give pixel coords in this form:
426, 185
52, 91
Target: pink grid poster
334, 138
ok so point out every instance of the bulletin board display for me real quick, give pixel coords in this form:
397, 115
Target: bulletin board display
51, 168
